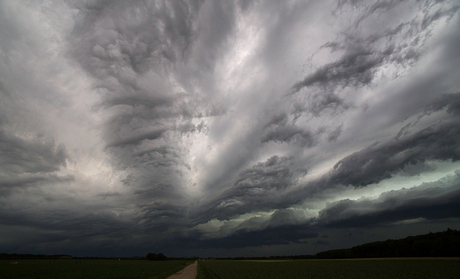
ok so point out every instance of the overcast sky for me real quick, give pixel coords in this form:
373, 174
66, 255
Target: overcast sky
226, 128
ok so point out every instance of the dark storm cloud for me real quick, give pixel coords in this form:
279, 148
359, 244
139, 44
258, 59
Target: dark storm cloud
78, 225
284, 226
160, 216
119, 44
249, 238
278, 119
136, 35
133, 140
37, 155
290, 134
274, 173
11, 181
267, 185
436, 200
260, 187
355, 69
400, 155
381, 161
157, 157
321, 242
284, 217
450, 102
406, 156
155, 188
280, 129
130, 50
61, 230
29, 162
429, 201
270, 236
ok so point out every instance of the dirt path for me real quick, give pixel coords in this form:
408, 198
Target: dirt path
189, 272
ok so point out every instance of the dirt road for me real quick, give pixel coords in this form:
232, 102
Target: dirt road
188, 272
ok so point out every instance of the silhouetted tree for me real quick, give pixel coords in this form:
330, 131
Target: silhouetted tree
441, 244
156, 257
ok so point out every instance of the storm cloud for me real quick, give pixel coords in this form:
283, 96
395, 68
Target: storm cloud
435, 200
217, 128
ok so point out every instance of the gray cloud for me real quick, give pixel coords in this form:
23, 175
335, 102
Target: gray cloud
439, 14
335, 133
449, 101
34, 156
137, 139
318, 103
375, 163
260, 187
130, 50
290, 134
272, 236
72, 232
244, 238
363, 56
321, 242
274, 173
128, 43
436, 200
126, 48
405, 156
355, 68
286, 217
29, 162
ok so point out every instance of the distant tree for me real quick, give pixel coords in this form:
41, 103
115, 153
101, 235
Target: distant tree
156, 257
440, 244
161, 257
151, 256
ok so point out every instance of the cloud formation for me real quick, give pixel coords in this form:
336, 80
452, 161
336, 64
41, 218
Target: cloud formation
435, 200
225, 127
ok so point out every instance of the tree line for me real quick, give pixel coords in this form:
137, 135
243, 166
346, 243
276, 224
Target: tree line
440, 244
156, 257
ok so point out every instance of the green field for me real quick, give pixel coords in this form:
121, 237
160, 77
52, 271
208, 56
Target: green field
357, 268
74, 268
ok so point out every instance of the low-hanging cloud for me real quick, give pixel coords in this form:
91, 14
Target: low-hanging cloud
435, 200
379, 162
260, 187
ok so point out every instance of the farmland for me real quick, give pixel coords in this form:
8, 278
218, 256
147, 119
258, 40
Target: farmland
90, 268
351, 268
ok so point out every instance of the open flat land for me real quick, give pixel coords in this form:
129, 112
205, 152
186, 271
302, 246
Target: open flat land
74, 268
348, 268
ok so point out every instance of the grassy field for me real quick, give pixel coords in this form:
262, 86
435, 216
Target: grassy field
89, 268
357, 268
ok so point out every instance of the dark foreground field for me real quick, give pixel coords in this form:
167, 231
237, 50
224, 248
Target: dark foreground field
416, 268
72, 268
